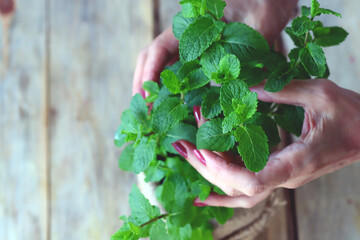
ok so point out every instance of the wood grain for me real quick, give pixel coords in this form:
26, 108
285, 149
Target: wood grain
23, 181
94, 45
329, 208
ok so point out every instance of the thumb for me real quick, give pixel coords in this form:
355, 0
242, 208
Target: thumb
297, 92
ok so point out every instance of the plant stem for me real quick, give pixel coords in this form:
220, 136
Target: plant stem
154, 219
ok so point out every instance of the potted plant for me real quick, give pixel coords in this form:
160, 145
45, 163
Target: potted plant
218, 63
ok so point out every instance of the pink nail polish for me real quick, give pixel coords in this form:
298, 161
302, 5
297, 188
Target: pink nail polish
199, 156
180, 149
197, 113
199, 204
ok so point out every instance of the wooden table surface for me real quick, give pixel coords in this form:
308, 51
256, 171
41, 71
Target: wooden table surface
65, 77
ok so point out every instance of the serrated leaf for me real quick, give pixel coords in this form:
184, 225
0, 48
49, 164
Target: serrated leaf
230, 66
211, 58
162, 96
180, 24
253, 147
243, 41
279, 78
290, 118
158, 231
129, 123
168, 114
329, 36
301, 25
230, 91
305, 11
153, 89
252, 75
210, 136
171, 81
210, 106
174, 193
127, 158
195, 97
143, 155
188, 10
179, 233
198, 37
268, 125
313, 59
139, 109
216, 7
195, 79
200, 189
327, 11
314, 8
141, 209
181, 131
187, 68
155, 173
231, 121
298, 40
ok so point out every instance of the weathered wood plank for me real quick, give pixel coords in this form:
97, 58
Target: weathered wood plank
329, 208
94, 45
23, 180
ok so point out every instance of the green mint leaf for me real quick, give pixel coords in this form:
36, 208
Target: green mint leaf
129, 123
210, 136
155, 173
120, 137
327, 11
305, 11
195, 97
158, 231
181, 131
231, 121
141, 209
168, 114
189, 10
201, 189
181, 233
195, 79
200, 233
171, 81
216, 7
230, 66
221, 214
314, 8
180, 24
268, 125
128, 231
252, 75
230, 91
253, 146
301, 25
143, 155
127, 158
298, 40
187, 68
313, 59
153, 89
279, 78
198, 37
329, 36
163, 96
243, 41
290, 118
139, 109
210, 60
210, 106
174, 193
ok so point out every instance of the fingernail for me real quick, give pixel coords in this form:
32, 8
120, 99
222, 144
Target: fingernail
180, 149
142, 92
199, 156
197, 113
199, 204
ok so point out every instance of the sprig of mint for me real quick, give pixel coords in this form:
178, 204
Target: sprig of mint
236, 57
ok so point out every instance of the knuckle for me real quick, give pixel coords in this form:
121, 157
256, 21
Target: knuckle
234, 193
254, 189
326, 90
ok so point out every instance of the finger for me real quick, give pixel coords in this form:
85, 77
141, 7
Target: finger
185, 149
232, 202
139, 69
297, 92
200, 120
161, 51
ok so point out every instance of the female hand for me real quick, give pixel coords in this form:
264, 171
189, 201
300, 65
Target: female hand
269, 17
330, 139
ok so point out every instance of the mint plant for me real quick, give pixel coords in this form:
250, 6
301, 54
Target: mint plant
218, 63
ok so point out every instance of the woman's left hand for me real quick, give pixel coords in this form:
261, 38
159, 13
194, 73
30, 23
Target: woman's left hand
330, 139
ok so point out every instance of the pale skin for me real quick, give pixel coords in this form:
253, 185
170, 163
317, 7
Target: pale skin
330, 136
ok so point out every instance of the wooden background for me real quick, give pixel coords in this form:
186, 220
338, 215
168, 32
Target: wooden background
65, 77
